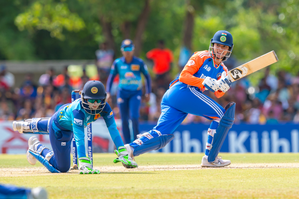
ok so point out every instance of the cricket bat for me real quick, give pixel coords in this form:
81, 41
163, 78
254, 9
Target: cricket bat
252, 66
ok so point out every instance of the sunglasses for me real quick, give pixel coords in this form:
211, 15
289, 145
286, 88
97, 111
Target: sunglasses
94, 100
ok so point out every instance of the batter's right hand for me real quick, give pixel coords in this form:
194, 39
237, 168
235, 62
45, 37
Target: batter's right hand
211, 84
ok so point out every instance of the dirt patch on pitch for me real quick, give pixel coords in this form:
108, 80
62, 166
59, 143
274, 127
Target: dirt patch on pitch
38, 171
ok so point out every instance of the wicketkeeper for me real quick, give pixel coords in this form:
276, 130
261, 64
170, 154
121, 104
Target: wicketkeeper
204, 71
70, 120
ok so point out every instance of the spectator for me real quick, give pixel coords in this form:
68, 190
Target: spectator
84, 78
28, 90
271, 79
264, 90
104, 60
255, 112
296, 117
6, 78
271, 119
5, 111
62, 78
47, 78
27, 111
283, 94
162, 58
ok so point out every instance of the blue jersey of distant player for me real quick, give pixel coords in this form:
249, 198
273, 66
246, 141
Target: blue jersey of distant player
74, 118
129, 73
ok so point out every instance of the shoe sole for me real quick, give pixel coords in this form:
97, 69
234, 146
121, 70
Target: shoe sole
31, 159
215, 166
129, 167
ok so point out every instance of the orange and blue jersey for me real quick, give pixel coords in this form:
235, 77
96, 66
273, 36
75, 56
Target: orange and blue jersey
185, 96
200, 66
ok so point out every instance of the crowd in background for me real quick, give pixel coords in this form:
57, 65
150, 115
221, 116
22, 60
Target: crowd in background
274, 100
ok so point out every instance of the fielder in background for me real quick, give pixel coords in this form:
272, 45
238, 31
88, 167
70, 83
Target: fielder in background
129, 93
204, 70
69, 120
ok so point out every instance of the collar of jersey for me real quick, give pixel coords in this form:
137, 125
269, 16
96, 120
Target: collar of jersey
124, 60
215, 64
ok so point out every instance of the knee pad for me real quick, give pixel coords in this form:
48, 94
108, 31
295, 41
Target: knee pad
225, 124
155, 143
64, 136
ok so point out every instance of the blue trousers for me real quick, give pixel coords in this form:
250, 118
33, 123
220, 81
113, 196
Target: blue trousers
176, 103
61, 144
129, 104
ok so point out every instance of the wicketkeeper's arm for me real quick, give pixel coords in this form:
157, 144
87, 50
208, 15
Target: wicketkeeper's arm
114, 133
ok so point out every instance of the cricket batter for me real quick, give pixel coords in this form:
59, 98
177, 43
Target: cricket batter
204, 70
129, 94
69, 120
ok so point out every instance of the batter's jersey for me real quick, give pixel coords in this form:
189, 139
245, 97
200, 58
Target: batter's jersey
129, 74
200, 66
74, 118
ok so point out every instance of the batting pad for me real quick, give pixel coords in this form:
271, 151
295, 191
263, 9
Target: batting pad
155, 143
225, 124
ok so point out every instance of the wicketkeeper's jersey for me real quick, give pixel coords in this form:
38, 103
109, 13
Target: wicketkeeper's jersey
74, 118
129, 74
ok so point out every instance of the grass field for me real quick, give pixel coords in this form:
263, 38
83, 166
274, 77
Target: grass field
164, 176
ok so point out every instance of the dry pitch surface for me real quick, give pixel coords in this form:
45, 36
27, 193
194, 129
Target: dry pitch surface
37, 171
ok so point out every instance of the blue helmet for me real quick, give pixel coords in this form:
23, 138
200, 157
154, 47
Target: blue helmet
127, 45
225, 38
93, 90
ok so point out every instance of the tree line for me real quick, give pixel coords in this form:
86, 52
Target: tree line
72, 29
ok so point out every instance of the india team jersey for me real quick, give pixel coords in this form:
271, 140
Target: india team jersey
129, 73
200, 66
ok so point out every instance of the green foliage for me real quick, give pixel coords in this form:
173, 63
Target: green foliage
51, 16
71, 29
14, 45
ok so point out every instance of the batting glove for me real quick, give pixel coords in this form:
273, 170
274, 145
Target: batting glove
85, 166
224, 82
211, 84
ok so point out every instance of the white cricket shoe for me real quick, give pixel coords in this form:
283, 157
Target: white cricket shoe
33, 142
130, 151
20, 126
130, 157
218, 162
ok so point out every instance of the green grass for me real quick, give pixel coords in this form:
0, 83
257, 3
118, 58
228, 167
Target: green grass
201, 183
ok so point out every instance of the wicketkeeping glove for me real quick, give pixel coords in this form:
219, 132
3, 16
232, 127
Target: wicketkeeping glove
124, 158
85, 166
